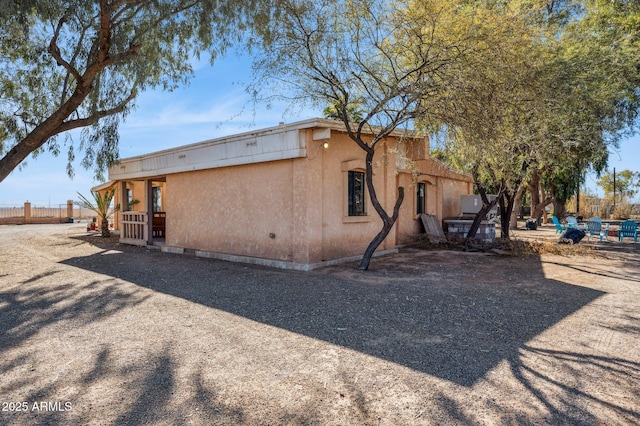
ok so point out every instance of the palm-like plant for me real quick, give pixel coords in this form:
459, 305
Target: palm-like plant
101, 204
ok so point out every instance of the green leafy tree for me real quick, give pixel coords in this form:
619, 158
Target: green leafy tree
627, 184
486, 116
549, 114
592, 80
386, 57
101, 205
79, 64
596, 53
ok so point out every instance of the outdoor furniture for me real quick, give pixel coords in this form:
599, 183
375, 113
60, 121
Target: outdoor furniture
159, 226
603, 232
594, 228
560, 228
572, 222
628, 229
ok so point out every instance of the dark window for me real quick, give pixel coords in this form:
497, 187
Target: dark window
157, 199
356, 194
420, 198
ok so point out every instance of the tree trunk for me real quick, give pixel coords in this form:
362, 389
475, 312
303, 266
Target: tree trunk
541, 211
486, 208
538, 203
559, 209
104, 227
41, 134
534, 191
26, 146
513, 221
55, 123
373, 245
543, 195
387, 221
506, 210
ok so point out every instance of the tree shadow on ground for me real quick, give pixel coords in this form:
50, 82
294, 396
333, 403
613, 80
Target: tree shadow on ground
145, 390
567, 404
32, 307
454, 320
27, 310
595, 269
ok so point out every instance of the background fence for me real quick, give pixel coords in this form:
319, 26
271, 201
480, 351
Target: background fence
11, 212
40, 214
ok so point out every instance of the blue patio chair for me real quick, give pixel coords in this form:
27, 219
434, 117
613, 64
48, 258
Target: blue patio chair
628, 229
572, 222
604, 232
560, 228
594, 228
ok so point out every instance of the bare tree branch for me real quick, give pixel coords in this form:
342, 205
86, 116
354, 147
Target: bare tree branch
54, 50
92, 119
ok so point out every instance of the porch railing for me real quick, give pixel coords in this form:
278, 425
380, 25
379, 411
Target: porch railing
134, 228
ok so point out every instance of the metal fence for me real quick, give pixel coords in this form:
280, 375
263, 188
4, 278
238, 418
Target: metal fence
60, 212
11, 212
80, 213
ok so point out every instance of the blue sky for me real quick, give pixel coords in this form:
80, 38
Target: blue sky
625, 158
213, 105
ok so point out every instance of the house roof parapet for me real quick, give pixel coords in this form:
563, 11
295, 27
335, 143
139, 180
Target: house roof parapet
281, 142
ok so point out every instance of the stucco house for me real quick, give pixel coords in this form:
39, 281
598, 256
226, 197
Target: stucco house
291, 196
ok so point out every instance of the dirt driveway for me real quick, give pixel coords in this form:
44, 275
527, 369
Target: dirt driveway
100, 333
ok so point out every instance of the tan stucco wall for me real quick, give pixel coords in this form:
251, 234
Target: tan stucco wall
137, 192
407, 225
445, 186
451, 191
296, 210
233, 210
342, 235
443, 189
302, 201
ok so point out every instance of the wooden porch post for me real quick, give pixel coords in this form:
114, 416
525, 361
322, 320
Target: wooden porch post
124, 203
148, 201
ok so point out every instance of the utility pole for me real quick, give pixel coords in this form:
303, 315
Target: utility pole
614, 189
579, 180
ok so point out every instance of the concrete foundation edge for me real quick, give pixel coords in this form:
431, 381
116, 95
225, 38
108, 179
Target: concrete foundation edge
273, 263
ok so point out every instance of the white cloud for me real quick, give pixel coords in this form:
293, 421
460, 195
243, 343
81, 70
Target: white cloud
180, 113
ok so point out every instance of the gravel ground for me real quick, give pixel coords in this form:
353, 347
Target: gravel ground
94, 332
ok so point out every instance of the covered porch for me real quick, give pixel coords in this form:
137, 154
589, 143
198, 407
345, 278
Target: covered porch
141, 220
